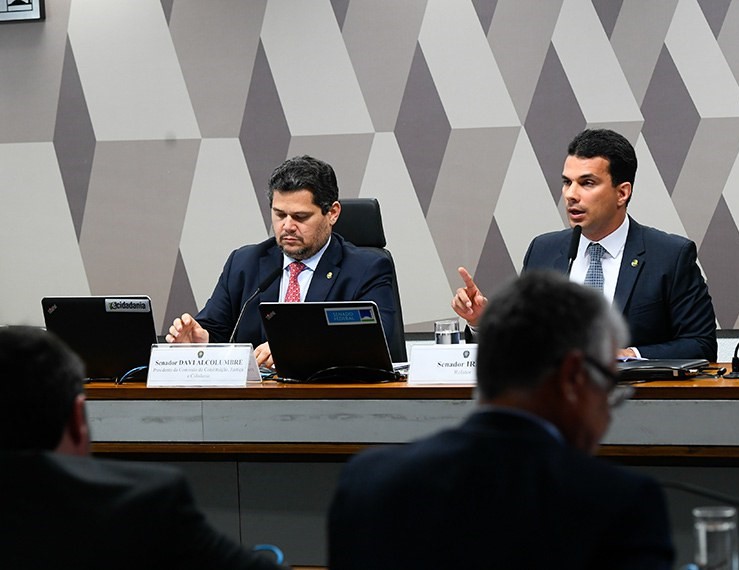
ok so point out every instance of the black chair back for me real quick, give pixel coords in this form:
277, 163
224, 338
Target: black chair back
360, 222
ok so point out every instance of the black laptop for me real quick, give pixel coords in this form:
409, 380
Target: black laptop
331, 341
112, 334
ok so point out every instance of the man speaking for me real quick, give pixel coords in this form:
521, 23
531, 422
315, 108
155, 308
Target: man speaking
651, 276
304, 261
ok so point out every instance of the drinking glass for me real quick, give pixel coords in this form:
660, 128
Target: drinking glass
714, 529
447, 331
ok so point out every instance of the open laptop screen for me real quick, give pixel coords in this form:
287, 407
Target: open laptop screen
330, 341
112, 334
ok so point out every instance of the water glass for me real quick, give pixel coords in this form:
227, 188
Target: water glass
714, 529
447, 331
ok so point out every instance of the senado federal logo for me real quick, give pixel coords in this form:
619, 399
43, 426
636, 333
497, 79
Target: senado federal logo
127, 305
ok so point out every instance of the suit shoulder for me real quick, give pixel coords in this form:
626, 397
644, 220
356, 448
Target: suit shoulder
391, 463
657, 236
551, 238
254, 249
123, 474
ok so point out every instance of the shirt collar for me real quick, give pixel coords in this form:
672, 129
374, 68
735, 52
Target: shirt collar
613, 243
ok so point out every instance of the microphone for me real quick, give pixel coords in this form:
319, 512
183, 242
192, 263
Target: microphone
262, 286
734, 365
574, 243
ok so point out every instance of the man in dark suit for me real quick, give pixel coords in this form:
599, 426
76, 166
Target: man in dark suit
303, 196
63, 509
514, 486
651, 276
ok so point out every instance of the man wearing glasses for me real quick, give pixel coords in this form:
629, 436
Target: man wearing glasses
515, 485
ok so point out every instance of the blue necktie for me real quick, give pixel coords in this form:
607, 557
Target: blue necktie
594, 276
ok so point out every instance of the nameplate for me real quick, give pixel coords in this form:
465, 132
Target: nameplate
201, 366
443, 364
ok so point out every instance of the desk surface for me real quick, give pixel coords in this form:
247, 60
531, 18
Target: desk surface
669, 419
694, 389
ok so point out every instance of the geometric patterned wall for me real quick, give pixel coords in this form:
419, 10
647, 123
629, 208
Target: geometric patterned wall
136, 138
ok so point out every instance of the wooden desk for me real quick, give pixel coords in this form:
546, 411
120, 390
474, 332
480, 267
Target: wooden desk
689, 419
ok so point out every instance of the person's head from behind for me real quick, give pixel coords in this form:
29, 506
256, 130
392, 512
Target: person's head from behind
303, 198
598, 180
41, 393
548, 346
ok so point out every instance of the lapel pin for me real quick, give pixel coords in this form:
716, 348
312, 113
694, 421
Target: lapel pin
329, 275
634, 262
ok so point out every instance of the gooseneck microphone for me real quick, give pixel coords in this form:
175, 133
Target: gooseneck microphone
262, 286
574, 243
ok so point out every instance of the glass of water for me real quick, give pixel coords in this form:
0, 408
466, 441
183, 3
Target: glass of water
714, 529
446, 332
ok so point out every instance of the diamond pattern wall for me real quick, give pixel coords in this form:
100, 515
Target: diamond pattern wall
136, 138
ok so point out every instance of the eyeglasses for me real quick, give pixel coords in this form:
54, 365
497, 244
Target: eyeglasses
617, 393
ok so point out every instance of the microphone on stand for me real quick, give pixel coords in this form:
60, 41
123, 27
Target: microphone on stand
262, 286
574, 243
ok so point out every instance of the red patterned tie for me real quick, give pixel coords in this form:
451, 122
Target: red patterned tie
293, 288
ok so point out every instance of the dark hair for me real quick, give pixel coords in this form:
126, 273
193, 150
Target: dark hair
40, 377
533, 322
610, 145
306, 173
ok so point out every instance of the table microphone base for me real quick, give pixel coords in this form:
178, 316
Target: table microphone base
734, 368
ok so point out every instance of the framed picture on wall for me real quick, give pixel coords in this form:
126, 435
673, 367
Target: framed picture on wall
19, 10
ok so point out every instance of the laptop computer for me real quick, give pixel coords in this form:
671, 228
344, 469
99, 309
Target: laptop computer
112, 334
661, 368
330, 341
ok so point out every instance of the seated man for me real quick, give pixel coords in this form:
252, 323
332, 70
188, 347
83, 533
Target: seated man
651, 276
61, 509
514, 486
317, 265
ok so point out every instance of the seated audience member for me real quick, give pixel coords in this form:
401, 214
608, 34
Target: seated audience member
63, 509
317, 265
513, 486
651, 276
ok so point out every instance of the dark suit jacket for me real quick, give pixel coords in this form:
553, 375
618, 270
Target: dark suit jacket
660, 290
345, 273
61, 511
498, 491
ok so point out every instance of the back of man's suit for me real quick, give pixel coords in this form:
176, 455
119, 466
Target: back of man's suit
61, 511
497, 492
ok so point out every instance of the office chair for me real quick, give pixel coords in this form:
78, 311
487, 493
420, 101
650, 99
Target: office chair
360, 222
